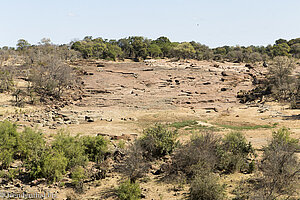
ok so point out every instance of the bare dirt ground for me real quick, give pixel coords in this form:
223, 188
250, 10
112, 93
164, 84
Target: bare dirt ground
122, 98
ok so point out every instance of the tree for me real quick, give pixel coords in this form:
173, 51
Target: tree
184, 50
154, 51
164, 44
279, 77
6, 81
22, 44
281, 49
51, 77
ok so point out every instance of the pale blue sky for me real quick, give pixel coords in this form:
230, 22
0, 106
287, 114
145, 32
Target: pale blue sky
210, 22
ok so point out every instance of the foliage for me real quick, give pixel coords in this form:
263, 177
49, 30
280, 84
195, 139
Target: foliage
280, 165
207, 187
78, 175
6, 81
71, 147
234, 153
184, 50
95, 147
280, 79
9, 142
51, 77
30, 144
54, 166
129, 191
200, 154
135, 164
158, 141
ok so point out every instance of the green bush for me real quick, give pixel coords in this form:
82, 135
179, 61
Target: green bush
234, 153
78, 175
95, 147
54, 166
129, 191
30, 144
8, 140
71, 147
207, 187
158, 141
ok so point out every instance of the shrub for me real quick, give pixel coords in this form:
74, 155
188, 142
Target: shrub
158, 141
77, 175
30, 143
95, 147
198, 154
6, 81
129, 191
8, 141
234, 153
280, 79
207, 187
280, 165
135, 164
71, 147
54, 165
51, 77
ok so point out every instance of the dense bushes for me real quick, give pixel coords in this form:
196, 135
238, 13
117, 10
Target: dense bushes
41, 160
207, 152
95, 147
279, 171
72, 148
156, 142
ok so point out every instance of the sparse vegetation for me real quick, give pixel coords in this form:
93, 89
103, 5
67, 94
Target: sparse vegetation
246, 127
6, 81
200, 154
183, 124
280, 165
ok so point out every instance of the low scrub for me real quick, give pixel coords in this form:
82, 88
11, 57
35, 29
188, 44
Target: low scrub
129, 191
207, 187
235, 153
280, 165
158, 141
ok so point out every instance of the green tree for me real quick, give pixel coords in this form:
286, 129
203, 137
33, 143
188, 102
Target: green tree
154, 51
183, 50
22, 44
281, 49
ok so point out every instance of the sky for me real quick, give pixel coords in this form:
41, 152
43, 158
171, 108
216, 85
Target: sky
210, 22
